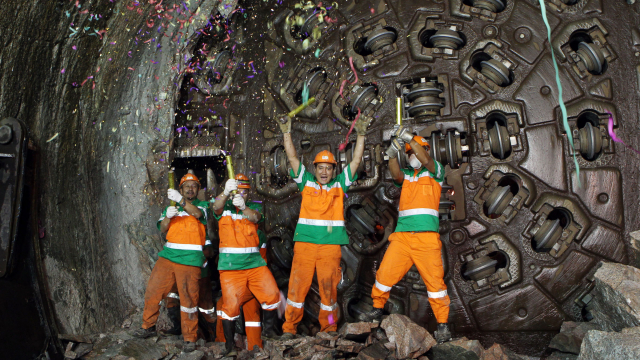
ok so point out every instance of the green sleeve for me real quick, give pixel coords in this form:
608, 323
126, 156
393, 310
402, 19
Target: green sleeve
345, 178
439, 173
302, 176
164, 214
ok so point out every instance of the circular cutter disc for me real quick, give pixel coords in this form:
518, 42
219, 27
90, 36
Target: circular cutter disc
491, 5
590, 141
315, 81
283, 252
379, 38
496, 71
499, 141
364, 220
548, 234
422, 90
499, 200
592, 57
480, 268
310, 21
446, 39
363, 99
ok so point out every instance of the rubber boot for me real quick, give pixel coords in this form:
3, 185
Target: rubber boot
229, 329
145, 333
269, 324
373, 316
442, 334
212, 330
174, 317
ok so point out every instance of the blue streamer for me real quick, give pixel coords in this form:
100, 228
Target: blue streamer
563, 108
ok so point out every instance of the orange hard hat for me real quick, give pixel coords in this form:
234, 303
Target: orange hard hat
189, 177
243, 181
325, 156
420, 140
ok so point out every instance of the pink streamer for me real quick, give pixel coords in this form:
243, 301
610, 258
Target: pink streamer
613, 135
345, 81
346, 141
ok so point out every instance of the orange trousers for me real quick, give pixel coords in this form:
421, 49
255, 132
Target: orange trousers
309, 258
423, 249
164, 276
205, 299
237, 285
252, 326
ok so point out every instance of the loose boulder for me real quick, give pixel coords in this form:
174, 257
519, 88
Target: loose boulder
459, 349
570, 337
601, 345
616, 297
406, 338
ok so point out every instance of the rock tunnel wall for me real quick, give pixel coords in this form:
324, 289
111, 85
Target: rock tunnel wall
106, 103
104, 149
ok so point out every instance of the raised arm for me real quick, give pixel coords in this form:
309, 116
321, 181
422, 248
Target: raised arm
423, 156
292, 155
394, 165
285, 125
357, 155
361, 127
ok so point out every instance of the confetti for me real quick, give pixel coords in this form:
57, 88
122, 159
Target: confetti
53, 137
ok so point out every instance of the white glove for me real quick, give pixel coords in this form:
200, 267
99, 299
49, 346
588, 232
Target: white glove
404, 134
174, 195
172, 211
238, 202
229, 186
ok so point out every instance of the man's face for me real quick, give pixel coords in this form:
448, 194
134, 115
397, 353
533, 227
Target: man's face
190, 189
244, 193
324, 172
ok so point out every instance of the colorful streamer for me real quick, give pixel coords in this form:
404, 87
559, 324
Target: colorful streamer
563, 108
613, 135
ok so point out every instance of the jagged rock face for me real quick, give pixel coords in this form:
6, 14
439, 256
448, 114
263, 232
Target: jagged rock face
109, 97
602, 345
570, 337
616, 297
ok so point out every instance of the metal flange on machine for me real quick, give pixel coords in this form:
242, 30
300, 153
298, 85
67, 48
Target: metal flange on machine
495, 262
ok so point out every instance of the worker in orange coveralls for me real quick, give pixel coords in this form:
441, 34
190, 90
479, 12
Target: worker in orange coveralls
205, 300
179, 262
416, 240
320, 230
250, 308
242, 269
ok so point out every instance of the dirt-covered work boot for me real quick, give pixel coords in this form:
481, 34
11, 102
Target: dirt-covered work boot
373, 316
145, 333
229, 329
442, 334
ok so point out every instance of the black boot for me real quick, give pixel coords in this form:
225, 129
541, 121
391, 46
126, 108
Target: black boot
174, 317
145, 333
212, 330
442, 334
229, 329
269, 327
373, 316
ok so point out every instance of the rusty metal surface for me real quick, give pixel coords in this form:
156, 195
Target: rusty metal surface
511, 192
